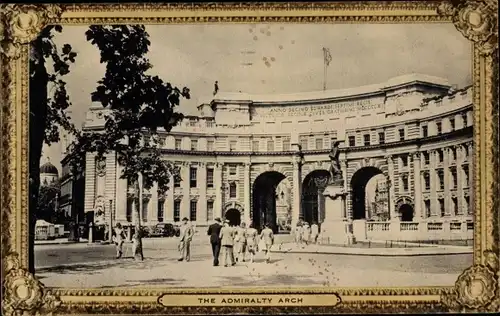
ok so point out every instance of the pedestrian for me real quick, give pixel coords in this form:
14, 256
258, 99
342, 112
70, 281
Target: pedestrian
251, 241
240, 242
267, 236
214, 232
227, 241
297, 232
314, 232
118, 238
301, 233
307, 233
185, 237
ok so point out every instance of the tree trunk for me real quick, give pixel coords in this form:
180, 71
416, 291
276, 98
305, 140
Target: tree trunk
37, 122
137, 240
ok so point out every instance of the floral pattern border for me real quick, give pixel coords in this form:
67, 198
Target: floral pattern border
477, 288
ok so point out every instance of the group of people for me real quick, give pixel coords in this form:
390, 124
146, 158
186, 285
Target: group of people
305, 234
236, 242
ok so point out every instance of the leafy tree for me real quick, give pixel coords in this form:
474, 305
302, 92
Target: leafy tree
48, 100
139, 104
47, 205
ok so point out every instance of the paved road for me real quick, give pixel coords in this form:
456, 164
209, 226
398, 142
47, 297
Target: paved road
80, 265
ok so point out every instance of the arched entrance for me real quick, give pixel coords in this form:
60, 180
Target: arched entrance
264, 200
313, 201
404, 205
233, 216
359, 181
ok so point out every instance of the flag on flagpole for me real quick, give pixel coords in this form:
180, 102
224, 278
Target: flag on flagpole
327, 56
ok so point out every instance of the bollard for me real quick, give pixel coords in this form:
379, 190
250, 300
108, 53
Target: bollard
91, 233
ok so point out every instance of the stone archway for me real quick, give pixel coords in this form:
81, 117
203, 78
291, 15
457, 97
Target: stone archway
233, 212
264, 199
405, 208
313, 201
358, 183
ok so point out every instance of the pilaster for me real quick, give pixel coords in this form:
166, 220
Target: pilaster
417, 177
392, 207
247, 188
185, 191
297, 190
201, 217
218, 190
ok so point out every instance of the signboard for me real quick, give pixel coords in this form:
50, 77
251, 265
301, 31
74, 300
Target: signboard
338, 108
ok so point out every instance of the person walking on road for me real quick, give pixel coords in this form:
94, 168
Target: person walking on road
227, 241
240, 242
307, 233
214, 232
119, 237
251, 241
314, 232
185, 237
267, 236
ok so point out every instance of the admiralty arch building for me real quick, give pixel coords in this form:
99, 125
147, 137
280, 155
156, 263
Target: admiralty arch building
264, 159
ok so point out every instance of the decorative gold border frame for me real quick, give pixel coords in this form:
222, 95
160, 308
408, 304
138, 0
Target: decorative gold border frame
477, 288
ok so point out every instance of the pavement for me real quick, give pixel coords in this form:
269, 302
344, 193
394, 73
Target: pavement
93, 266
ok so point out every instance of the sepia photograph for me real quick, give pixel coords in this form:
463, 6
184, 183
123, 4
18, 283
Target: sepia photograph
251, 155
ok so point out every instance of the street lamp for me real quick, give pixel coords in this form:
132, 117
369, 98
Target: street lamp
388, 184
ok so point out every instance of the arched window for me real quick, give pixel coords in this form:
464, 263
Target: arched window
232, 190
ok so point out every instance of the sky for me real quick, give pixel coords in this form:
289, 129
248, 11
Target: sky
275, 58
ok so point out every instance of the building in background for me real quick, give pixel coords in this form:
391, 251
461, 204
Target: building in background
48, 173
416, 130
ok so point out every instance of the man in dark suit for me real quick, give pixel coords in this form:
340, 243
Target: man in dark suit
213, 232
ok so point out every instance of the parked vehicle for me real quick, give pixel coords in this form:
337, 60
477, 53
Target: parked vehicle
164, 230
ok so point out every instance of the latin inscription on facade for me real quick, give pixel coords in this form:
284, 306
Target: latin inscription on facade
318, 109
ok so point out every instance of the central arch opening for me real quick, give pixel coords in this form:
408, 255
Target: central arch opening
264, 200
233, 216
359, 183
313, 201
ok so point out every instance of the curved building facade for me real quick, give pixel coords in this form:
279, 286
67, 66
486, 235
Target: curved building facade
264, 159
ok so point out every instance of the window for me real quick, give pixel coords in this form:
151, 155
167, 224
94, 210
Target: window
232, 170
303, 143
270, 145
454, 203
177, 210
210, 178
210, 145
352, 141
453, 178
286, 144
178, 143
427, 181
467, 205
425, 131
453, 152
130, 203
440, 156
232, 145
194, 145
319, 143
466, 151
404, 161
161, 210
427, 208
466, 175
232, 190
366, 139
426, 158
452, 124
464, 119
193, 206
404, 181
192, 177
192, 123
255, 145
381, 137
439, 128
441, 179
401, 134
210, 210
145, 206
441, 207
177, 181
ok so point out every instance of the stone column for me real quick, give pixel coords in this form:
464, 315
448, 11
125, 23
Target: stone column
185, 191
169, 202
297, 190
417, 177
201, 216
392, 208
447, 184
247, 188
218, 190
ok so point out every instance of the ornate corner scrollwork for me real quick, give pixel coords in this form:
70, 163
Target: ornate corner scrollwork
24, 294
22, 23
476, 20
476, 288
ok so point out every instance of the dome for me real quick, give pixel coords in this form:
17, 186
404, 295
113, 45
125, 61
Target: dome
48, 168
